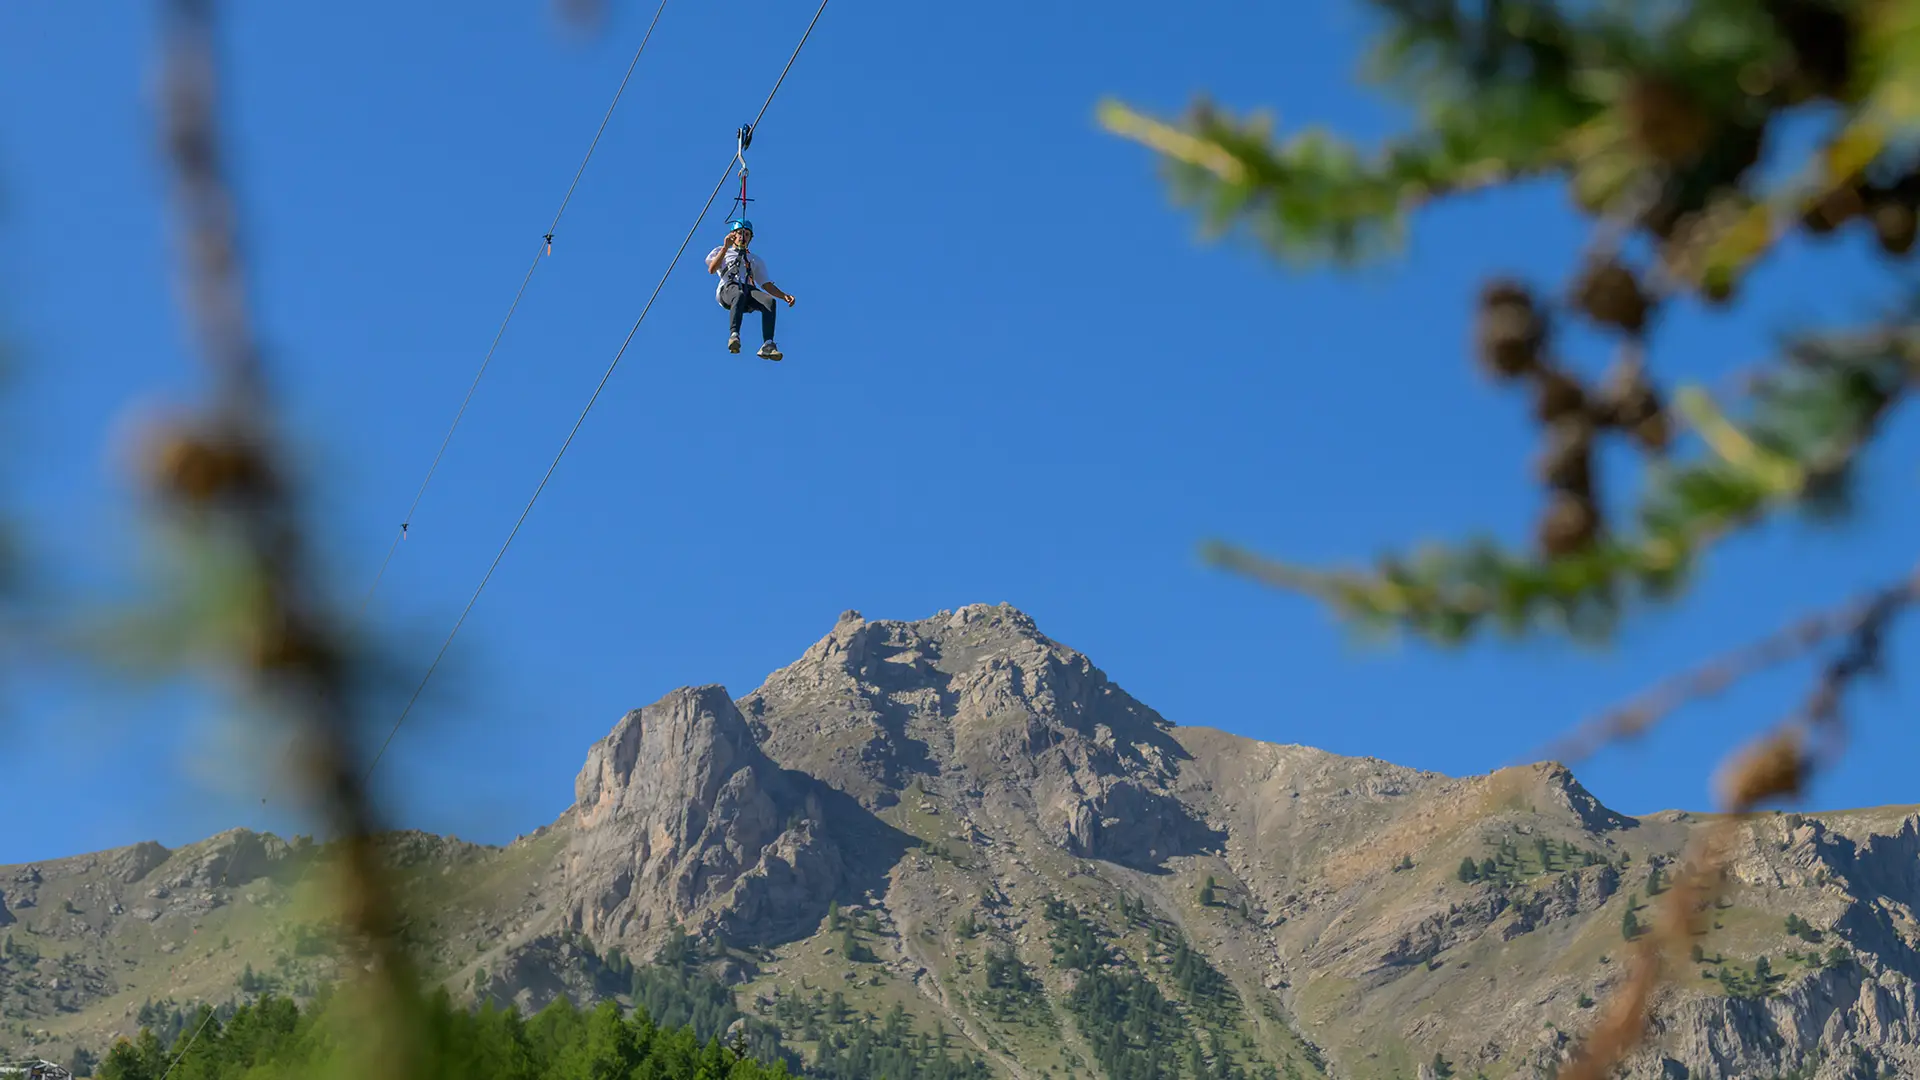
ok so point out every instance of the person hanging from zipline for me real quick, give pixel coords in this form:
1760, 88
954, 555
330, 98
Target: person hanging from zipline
745, 286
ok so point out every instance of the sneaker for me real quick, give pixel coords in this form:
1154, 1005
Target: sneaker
733, 342
770, 351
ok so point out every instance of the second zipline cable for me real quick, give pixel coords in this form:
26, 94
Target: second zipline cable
545, 249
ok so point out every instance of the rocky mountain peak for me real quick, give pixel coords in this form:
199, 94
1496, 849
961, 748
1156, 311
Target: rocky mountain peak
874, 704
978, 703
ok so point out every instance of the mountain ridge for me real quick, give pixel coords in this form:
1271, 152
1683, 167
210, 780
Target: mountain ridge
968, 822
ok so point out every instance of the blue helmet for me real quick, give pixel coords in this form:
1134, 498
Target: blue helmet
739, 223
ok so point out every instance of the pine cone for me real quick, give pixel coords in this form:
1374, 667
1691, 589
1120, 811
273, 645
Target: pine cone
198, 469
1510, 330
1666, 121
1895, 225
1833, 210
1655, 433
1569, 525
1627, 398
1664, 217
1610, 295
1566, 465
279, 645
1556, 394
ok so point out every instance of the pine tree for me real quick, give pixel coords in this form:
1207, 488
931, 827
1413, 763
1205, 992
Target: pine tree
1630, 926
1206, 892
1469, 871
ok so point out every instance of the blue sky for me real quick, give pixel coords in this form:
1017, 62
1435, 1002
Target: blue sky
1016, 373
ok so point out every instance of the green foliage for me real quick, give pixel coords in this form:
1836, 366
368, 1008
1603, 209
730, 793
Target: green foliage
674, 1034
1004, 971
1629, 925
862, 1047
1802, 929
272, 1037
1136, 1031
1654, 117
1469, 870
1013, 992
1510, 863
855, 950
1077, 945
676, 991
251, 983
167, 1020
1132, 1027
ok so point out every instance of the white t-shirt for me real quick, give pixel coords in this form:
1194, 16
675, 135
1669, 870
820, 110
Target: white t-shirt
734, 270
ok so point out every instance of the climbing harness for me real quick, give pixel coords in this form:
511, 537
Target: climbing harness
737, 217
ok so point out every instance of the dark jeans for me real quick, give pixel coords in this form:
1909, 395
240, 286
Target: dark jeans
741, 301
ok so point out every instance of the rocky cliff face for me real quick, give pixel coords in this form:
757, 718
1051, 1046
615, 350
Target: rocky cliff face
962, 818
679, 817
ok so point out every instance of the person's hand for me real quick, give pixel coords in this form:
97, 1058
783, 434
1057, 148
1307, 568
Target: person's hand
789, 299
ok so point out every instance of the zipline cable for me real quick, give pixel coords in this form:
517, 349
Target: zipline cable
744, 137
591, 401
546, 248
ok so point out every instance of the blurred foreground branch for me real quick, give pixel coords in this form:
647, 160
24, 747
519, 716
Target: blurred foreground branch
1655, 119
1776, 766
223, 478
